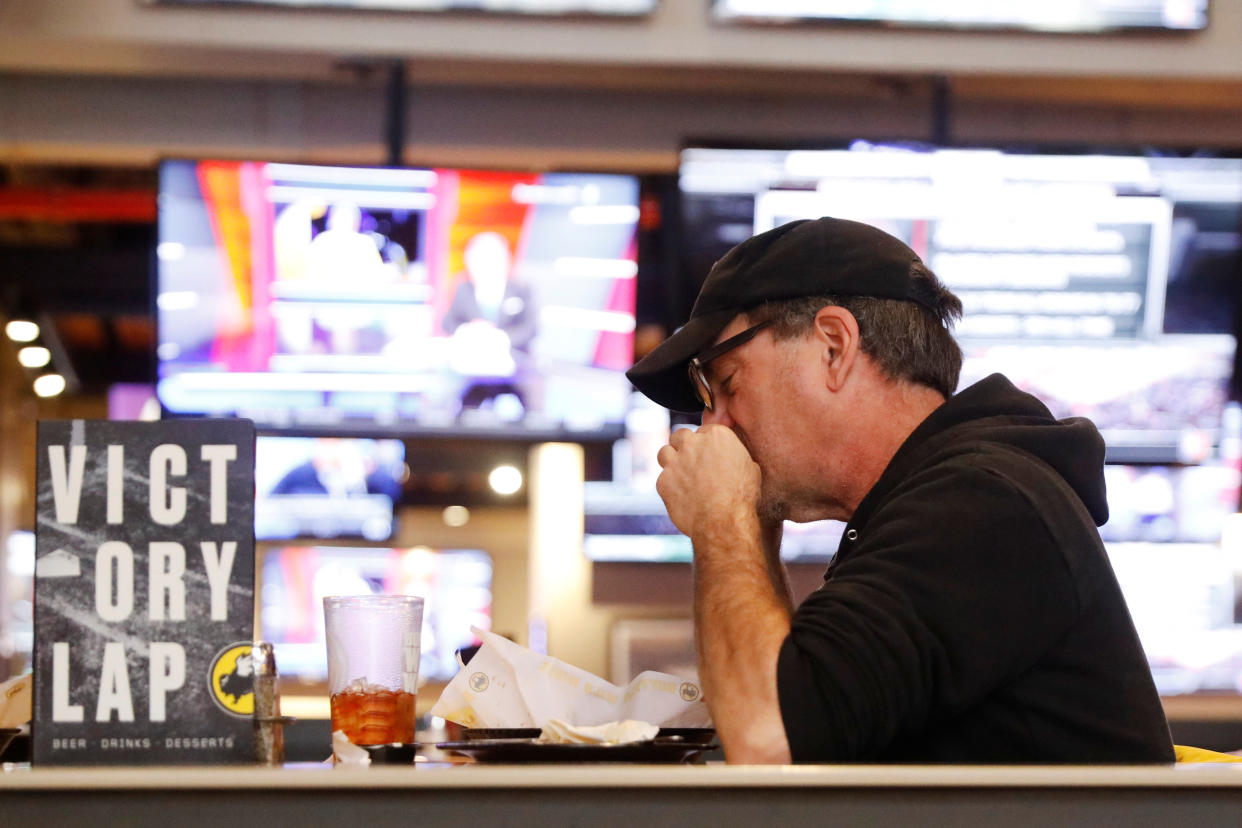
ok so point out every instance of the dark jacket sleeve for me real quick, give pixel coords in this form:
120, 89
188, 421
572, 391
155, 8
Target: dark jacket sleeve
953, 588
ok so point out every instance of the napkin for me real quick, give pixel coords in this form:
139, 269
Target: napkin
506, 685
15, 701
612, 733
345, 754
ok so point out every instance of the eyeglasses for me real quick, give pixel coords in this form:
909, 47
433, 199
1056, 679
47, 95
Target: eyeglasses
698, 377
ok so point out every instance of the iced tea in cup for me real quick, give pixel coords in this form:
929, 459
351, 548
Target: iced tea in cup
373, 649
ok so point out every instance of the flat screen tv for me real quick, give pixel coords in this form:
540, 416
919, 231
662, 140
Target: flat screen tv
1079, 16
1104, 284
1184, 600
326, 487
404, 301
456, 586
540, 8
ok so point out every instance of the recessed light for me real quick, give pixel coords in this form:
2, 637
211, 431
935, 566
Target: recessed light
456, 516
34, 356
22, 330
49, 385
505, 480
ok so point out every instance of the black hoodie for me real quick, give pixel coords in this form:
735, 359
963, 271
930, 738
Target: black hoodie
971, 614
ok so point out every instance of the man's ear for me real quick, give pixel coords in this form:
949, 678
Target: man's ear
836, 332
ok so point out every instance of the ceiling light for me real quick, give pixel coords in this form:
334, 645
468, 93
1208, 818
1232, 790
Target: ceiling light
456, 516
505, 480
34, 356
175, 300
170, 251
22, 330
49, 385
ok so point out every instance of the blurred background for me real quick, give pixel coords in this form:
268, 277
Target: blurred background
419, 243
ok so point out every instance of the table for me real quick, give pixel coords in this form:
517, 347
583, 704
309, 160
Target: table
624, 795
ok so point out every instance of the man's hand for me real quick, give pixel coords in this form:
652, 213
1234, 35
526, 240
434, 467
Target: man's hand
711, 486
708, 477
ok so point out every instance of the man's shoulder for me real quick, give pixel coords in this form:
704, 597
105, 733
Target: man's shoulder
980, 460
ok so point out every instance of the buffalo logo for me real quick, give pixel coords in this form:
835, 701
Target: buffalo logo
231, 679
478, 682
688, 691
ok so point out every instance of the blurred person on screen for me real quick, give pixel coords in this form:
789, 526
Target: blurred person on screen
970, 614
491, 322
341, 468
342, 252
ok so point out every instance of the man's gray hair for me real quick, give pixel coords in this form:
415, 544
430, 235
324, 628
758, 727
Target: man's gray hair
905, 339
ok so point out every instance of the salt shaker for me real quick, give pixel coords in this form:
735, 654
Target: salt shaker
269, 734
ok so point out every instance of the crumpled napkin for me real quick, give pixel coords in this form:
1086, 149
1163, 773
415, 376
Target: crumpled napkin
506, 685
15, 696
346, 754
559, 732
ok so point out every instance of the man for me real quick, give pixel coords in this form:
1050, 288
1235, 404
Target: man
486, 293
970, 613
491, 320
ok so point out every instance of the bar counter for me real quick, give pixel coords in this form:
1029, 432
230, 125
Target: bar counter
624, 795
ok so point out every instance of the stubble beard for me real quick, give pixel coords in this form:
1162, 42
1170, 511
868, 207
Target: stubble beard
771, 509
773, 505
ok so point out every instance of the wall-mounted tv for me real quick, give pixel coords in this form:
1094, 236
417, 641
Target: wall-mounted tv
456, 586
411, 301
326, 487
1104, 284
1184, 599
1077, 16
1170, 504
540, 8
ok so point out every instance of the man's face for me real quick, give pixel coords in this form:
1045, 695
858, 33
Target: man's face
765, 391
488, 260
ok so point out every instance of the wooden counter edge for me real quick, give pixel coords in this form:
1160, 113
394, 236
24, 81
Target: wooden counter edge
622, 776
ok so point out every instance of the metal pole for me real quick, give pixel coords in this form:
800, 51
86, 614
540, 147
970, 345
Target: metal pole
941, 111
394, 113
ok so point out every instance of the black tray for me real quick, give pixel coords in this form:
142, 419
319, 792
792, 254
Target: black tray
395, 753
6, 736
692, 735
518, 745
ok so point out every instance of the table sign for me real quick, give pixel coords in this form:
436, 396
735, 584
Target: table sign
144, 592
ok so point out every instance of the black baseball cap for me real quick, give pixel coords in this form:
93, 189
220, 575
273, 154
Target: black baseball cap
809, 257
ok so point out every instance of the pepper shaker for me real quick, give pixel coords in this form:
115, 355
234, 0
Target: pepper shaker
269, 734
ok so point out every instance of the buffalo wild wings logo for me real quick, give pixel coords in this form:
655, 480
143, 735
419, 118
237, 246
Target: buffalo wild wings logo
688, 691
231, 679
478, 682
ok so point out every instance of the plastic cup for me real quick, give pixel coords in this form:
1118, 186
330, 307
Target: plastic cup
373, 649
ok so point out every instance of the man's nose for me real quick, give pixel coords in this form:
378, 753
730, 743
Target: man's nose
719, 415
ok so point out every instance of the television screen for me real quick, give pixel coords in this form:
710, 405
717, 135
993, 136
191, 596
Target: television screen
456, 585
1075, 16
1104, 284
1183, 598
1170, 504
544, 8
326, 487
412, 301
17, 601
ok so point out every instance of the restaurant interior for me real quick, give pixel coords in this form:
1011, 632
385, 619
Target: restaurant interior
1077, 177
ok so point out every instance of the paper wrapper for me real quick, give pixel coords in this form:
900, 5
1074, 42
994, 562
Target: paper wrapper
613, 733
507, 685
345, 754
15, 701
